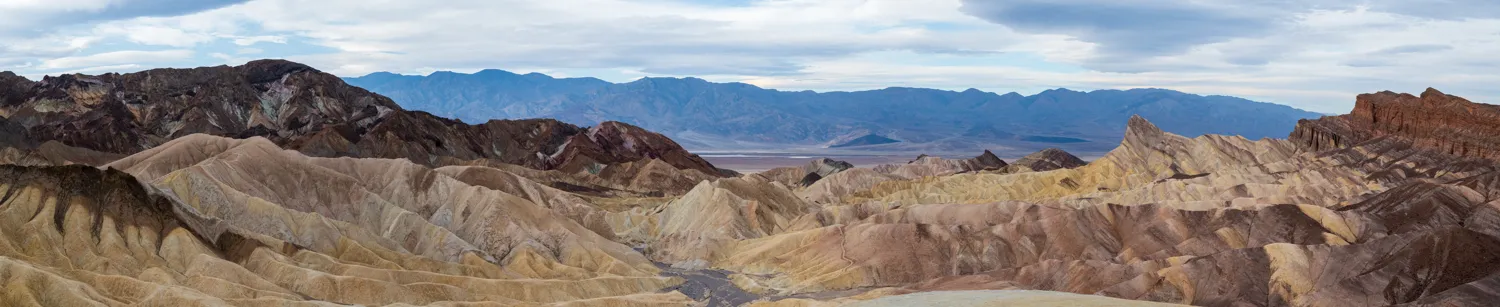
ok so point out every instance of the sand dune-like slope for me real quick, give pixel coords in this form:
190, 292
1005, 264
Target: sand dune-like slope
79, 236
701, 225
405, 206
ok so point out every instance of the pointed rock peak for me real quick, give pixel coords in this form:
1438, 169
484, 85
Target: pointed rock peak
1140, 126
7, 74
989, 159
1433, 93
1142, 133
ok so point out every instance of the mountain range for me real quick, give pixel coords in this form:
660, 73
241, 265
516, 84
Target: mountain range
707, 115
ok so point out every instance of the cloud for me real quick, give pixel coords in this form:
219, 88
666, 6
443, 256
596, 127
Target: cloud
751, 38
1419, 48
251, 40
115, 58
1127, 28
156, 35
23, 16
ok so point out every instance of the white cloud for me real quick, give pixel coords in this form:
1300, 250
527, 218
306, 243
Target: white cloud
115, 58
153, 34
251, 40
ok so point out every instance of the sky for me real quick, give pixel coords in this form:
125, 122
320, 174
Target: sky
1311, 54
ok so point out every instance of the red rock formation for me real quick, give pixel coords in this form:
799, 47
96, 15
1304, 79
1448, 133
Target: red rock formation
1434, 121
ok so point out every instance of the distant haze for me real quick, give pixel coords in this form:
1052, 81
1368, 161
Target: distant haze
737, 116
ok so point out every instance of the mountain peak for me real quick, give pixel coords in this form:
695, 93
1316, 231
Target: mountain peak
1432, 92
495, 72
380, 74
1141, 131
1139, 125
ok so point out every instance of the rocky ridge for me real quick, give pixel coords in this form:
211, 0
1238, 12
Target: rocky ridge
298, 107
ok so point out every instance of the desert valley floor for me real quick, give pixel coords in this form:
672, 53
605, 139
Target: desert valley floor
275, 184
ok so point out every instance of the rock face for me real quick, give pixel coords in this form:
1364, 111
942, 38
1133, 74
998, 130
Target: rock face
300, 108
1434, 120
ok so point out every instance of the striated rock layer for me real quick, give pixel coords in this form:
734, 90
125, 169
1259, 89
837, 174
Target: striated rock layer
1436, 121
79, 236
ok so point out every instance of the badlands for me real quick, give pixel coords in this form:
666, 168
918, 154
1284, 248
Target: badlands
275, 184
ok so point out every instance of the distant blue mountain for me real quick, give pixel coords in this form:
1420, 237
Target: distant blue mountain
704, 114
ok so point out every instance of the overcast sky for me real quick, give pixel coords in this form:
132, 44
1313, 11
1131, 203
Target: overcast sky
1311, 54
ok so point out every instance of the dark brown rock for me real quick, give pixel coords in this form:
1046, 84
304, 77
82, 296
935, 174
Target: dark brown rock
301, 108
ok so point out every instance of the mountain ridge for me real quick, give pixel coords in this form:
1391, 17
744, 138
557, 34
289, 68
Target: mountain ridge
301, 108
710, 115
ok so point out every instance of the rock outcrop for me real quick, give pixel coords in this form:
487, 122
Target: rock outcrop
1434, 121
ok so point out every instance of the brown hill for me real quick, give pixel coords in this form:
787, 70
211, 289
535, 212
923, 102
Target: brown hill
298, 107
